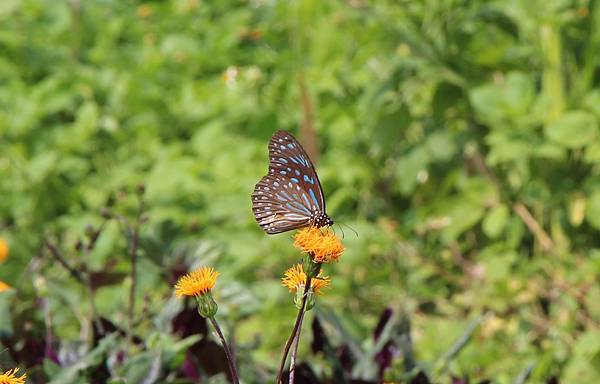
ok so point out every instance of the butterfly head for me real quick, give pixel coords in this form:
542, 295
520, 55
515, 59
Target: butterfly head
321, 220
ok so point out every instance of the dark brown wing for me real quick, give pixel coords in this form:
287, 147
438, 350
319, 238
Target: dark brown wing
276, 207
288, 158
290, 196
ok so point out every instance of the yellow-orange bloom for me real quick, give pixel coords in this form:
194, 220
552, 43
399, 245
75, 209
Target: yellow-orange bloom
3, 250
196, 283
3, 287
10, 377
295, 278
144, 10
323, 246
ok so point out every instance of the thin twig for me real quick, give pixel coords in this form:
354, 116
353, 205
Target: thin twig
307, 128
289, 342
541, 235
83, 278
88, 276
524, 374
228, 355
519, 208
77, 275
93, 310
461, 342
295, 350
95, 235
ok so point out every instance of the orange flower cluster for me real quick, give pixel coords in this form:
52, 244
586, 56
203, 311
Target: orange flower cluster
3, 256
324, 246
3, 287
196, 283
295, 278
3, 249
10, 377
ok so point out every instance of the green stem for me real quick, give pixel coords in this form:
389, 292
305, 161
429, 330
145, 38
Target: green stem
297, 325
552, 77
295, 349
228, 355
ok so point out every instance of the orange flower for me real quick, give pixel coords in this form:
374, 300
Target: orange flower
323, 246
295, 278
3, 287
196, 283
9, 377
144, 10
3, 250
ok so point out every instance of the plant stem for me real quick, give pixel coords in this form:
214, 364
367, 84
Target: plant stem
83, 277
545, 240
75, 273
295, 349
553, 83
297, 325
230, 362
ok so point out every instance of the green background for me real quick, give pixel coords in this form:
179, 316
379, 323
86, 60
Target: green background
459, 139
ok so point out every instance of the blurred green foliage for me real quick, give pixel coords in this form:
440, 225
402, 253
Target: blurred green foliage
460, 139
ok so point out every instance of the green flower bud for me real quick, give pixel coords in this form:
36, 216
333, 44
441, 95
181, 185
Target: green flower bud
311, 268
207, 306
310, 298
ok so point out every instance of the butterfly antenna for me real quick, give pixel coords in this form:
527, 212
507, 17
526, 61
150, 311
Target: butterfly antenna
352, 229
341, 229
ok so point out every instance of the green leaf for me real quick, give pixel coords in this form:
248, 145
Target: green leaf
441, 146
462, 214
592, 152
584, 364
573, 130
592, 301
495, 221
6, 328
592, 102
409, 167
592, 210
499, 103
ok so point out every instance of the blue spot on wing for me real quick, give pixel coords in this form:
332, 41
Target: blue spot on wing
298, 208
309, 179
294, 180
291, 207
305, 199
284, 196
283, 160
290, 146
282, 172
313, 197
294, 160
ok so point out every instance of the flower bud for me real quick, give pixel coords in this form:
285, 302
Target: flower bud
207, 306
310, 298
311, 268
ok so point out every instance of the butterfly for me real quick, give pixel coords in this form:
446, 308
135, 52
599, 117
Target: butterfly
290, 195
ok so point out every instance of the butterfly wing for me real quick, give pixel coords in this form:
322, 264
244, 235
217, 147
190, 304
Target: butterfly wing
288, 158
278, 205
290, 196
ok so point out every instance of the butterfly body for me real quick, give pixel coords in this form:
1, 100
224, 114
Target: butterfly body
290, 195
